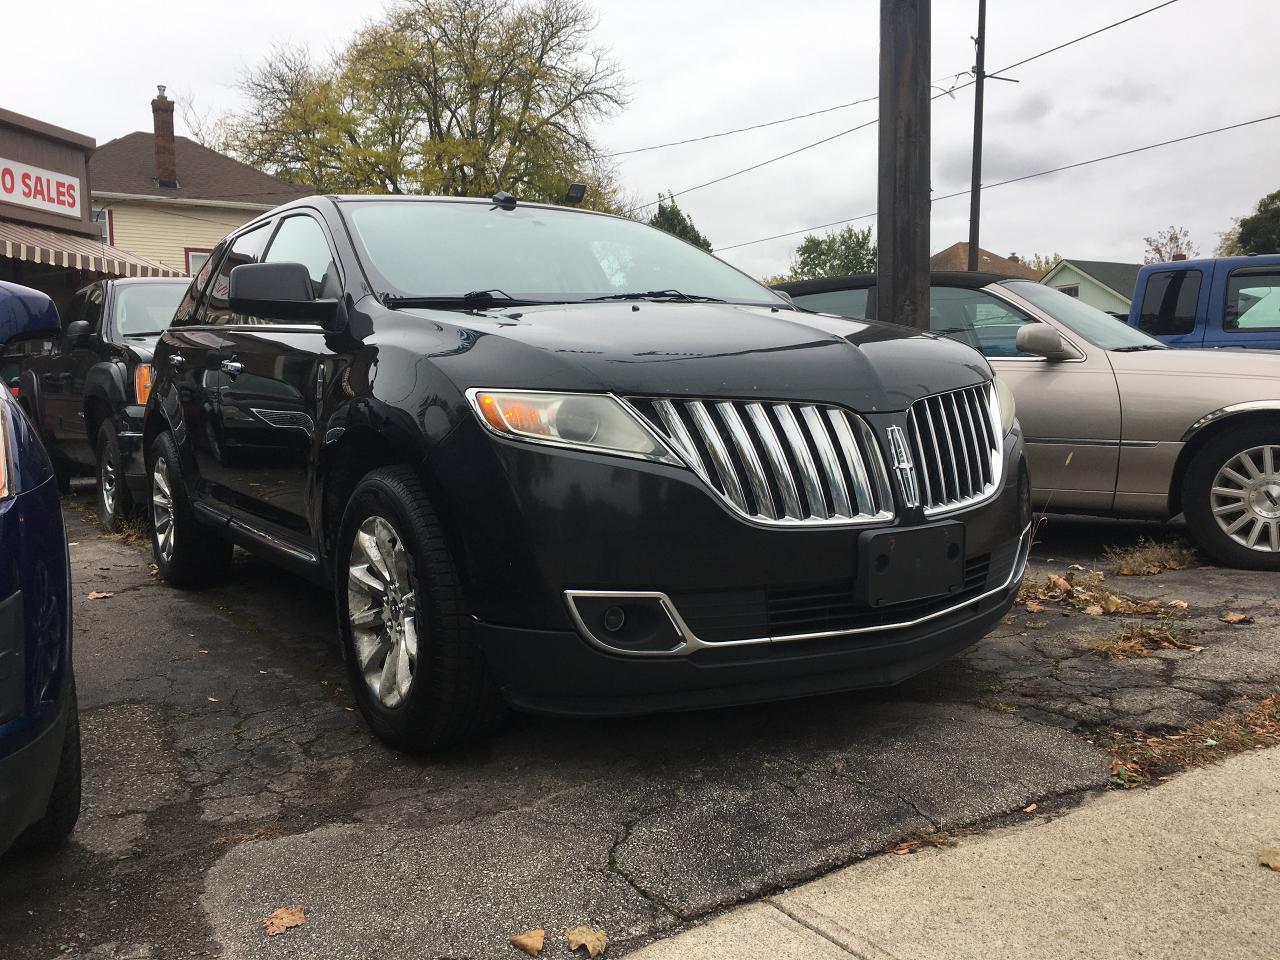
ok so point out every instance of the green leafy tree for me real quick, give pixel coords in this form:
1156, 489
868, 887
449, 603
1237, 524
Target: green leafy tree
1042, 263
1229, 240
1260, 231
835, 255
453, 97
676, 222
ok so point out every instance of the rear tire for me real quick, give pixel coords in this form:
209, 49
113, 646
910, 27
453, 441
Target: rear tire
1242, 506
409, 616
115, 503
63, 811
187, 553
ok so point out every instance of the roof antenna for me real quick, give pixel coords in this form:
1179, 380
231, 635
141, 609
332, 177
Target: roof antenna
504, 200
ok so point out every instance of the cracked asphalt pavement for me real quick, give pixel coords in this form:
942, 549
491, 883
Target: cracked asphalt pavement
226, 773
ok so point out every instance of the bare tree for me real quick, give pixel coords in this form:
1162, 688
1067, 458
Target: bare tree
1173, 242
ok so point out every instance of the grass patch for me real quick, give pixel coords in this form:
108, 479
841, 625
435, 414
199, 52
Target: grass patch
1139, 639
1138, 759
130, 532
1146, 558
917, 842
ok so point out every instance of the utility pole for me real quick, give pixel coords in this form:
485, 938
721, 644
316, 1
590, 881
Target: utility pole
975, 190
902, 285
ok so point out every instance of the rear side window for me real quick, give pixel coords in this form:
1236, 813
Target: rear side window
1253, 302
244, 249
846, 303
302, 240
1169, 304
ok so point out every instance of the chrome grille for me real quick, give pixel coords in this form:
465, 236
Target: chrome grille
778, 463
958, 447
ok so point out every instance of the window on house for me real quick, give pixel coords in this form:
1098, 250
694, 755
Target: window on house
102, 217
1170, 302
1071, 290
196, 259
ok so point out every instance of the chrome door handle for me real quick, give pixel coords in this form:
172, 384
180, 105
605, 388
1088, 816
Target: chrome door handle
231, 367
176, 361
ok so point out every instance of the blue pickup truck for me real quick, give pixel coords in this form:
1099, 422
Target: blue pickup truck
1227, 302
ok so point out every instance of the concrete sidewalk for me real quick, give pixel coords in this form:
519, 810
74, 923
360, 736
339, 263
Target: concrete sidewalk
1170, 872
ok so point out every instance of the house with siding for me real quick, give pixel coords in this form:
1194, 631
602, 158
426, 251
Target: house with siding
1104, 284
169, 199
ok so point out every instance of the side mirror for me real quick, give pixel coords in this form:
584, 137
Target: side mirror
26, 314
76, 331
1042, 340
281, 291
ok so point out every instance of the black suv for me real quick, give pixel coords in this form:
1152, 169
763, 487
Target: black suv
566, 462
86, 390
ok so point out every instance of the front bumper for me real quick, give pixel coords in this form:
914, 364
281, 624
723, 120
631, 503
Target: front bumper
27, 776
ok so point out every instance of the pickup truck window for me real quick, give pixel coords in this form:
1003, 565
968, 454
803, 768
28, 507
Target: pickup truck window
301, 239
1253, 302
1169, 304
245, 249
93, 307
143, 309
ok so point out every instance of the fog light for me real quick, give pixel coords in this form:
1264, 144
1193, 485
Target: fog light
626, 622
614, 618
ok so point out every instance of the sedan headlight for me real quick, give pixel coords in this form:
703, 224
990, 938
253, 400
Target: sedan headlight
1008, 409
6, 481
584, 421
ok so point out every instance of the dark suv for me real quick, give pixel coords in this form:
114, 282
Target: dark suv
564, 461
86, 390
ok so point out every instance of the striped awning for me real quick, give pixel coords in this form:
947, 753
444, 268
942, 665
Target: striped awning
22, 242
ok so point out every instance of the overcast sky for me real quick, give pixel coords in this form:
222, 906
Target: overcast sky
711, 65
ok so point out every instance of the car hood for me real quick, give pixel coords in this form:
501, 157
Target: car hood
144, 348
704, 349
1228, 364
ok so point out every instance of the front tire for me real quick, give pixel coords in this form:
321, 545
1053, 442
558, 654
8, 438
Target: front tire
413, 665
115, 504
187, 553
63, 811
1231, 498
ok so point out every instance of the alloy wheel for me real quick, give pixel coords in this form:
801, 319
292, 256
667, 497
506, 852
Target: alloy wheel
162, 509
382, 604
1245, 498
107, 481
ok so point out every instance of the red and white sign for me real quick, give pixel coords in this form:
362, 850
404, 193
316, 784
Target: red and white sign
39, 189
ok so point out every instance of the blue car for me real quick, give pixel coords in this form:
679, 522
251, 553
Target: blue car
39, 724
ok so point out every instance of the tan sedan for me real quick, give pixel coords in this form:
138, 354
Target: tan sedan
1114, 422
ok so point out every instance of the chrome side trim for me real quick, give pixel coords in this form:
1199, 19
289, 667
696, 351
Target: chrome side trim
693, 643
273, 542
1244, 407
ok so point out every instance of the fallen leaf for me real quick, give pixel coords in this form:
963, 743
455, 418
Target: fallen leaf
1230, 616
530, 941
1076, 566
1093, 611
1128, 571
99, 595
213, 699
1178, 604
1061, 584
1151, 569
1033, 607
594, 940
284, 918
1030, 809
1270, 857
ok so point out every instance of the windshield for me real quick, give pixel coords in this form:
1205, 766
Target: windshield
146, 308
449, 249
1100, 329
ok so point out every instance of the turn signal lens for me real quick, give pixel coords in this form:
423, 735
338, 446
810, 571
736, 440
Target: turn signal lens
142, 382
586, 421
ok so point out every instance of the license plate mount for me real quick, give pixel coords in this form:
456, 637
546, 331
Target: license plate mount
897, 566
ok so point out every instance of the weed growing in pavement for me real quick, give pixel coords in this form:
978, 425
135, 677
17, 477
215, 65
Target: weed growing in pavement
1139, 639
918, 841
130, 532
1138, 758
1147, 558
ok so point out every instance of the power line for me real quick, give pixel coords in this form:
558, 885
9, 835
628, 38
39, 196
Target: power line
1019, 179
863, 126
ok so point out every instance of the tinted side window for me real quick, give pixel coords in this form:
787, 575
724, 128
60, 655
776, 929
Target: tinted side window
1253, 301
74, 310
191, 299
846, 303
92, 315
244, 249
302, 240
977, 319
1169, 304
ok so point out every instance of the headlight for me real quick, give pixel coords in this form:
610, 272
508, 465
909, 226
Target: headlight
142, 374
585, 421
1008, 409
6, 482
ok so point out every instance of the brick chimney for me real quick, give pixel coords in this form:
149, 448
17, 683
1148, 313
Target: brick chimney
166, 160
1014, 257
1178, 256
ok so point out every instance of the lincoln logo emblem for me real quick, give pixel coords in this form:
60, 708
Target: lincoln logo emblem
903, 467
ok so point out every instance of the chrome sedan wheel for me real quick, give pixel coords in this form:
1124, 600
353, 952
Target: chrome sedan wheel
1245, 498
382, 604
162, 509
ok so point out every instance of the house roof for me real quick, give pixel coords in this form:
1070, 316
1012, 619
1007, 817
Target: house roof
128, 164
956, 258
1122, 278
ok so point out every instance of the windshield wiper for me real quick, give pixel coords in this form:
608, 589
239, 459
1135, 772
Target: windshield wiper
474, 300
657, 295
1135, 348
